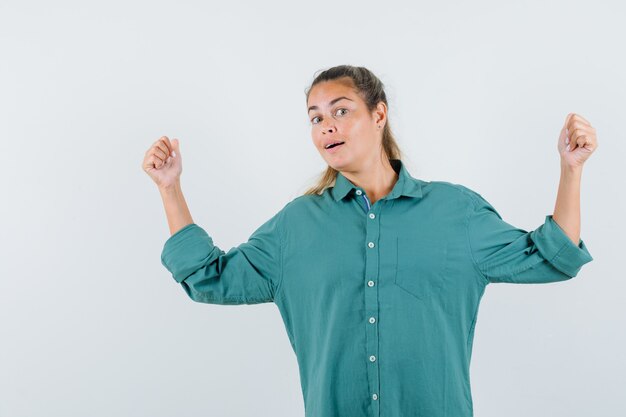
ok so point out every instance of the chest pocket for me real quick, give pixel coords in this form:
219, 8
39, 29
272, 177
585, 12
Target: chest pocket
420, 266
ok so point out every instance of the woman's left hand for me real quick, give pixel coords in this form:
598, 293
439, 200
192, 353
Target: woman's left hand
577, 141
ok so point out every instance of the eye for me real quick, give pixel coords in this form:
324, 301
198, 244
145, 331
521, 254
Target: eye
316, 117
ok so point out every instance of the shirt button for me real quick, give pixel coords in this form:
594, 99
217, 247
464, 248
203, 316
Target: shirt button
372, 215
359, 192
374, 397
372, 320
370, 283
372, 358
371, 244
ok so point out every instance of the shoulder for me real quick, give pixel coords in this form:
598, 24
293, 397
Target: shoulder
301, 205
451, 190
477, 203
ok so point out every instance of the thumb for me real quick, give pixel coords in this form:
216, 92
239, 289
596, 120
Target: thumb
175, 146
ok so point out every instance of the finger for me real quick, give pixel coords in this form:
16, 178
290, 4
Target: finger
577, 121
564, 131
577, 142
582, 140
581, 126
165, 141
157, 161
590, 146
586, 131
582, 120
161, 146
168, 144
568, 134
570, 140
574, 129
568, 128
158, 150
574, 121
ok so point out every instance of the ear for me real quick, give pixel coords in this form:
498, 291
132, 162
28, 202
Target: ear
380, 113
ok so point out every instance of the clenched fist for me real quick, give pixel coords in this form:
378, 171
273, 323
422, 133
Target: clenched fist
577, 141
163, 163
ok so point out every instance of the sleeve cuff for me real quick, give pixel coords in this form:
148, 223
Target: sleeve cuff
185, 250
558, 248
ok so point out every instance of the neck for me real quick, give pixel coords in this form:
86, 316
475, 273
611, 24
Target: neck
376, 177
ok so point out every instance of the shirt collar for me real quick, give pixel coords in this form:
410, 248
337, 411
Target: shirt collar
406, 184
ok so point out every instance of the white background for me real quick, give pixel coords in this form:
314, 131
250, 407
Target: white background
91, 323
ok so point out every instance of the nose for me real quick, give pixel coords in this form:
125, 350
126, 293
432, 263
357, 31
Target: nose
327, 129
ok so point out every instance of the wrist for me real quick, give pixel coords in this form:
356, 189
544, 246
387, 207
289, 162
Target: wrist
173, 188
570, 171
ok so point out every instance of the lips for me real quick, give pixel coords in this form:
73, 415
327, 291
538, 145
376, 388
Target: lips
333, 144
336, 148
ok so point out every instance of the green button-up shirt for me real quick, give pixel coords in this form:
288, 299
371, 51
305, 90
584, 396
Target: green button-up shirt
380, 300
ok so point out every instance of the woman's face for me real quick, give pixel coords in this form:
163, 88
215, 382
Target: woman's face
338, 114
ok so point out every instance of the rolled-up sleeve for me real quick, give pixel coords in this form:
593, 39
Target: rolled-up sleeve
505, 253
246, 274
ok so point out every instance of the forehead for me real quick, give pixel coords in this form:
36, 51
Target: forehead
320, 94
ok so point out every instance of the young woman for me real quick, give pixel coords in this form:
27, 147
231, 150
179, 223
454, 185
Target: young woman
377, 275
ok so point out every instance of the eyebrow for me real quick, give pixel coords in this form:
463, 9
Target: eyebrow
330, 103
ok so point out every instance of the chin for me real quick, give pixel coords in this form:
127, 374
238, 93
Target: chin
338, 165
336, 162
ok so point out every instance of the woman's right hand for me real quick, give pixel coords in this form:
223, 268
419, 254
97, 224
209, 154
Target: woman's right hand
163, 163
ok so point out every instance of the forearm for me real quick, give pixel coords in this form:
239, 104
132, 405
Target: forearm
176, 210
567, 207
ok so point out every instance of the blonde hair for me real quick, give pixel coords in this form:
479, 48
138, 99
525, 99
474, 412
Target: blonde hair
372, 91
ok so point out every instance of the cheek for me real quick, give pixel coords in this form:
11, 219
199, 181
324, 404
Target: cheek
360, 128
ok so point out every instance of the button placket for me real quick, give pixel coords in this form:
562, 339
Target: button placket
368, 206
371, 299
